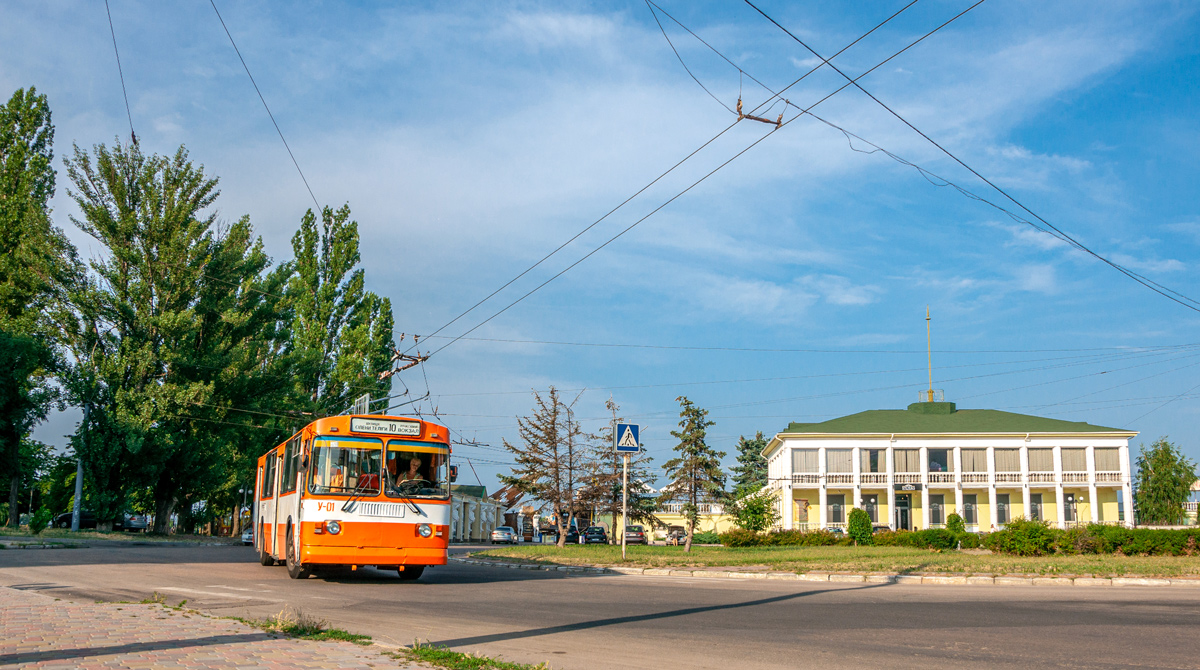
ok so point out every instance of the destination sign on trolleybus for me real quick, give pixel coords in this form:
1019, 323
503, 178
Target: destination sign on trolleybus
385, 426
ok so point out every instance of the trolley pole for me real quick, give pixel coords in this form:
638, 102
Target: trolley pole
624, 500
76, 509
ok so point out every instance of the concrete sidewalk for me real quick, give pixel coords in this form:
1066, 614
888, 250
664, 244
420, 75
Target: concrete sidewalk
41, 631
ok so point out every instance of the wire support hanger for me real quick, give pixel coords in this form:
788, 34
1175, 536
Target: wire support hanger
401, 361
777, 122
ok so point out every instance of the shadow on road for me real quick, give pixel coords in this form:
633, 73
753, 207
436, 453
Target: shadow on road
28, 658
615, 621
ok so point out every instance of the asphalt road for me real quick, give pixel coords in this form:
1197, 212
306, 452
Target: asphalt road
576, 621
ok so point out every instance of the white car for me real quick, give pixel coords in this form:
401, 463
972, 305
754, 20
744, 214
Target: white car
504, 534
248, 536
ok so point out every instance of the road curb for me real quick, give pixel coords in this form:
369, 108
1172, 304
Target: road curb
946, 579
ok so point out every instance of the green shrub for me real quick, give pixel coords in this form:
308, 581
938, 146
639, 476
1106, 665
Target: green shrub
795, 538
891, 538
740, 537
955, 524
936, 538
967, 540
1024, 537
859, 527
39, 521
707, 537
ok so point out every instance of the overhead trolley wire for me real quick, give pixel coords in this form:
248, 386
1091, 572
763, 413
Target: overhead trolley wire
642, 190
1164, 291
120, 72
265, 106
697, 182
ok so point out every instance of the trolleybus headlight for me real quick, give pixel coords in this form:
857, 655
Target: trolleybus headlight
424, 530
333, 527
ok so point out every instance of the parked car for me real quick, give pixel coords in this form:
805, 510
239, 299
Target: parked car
595, 535
248, 536
635, 535
676, 536
135, 522
572, 536
504, 534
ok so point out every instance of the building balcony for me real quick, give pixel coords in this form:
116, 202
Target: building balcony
1042, 478
1008, 478
806, 479
1075, 477
703, 508
1105, 477
908, 478
839, 478
974, 478
942, 478
873, 478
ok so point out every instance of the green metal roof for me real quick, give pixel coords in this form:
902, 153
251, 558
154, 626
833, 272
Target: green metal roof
469, 490
945, 417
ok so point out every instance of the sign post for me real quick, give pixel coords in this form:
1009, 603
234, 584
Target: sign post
625, 442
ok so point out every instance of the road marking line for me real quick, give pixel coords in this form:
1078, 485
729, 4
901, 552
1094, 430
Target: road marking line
205, 593
235, 588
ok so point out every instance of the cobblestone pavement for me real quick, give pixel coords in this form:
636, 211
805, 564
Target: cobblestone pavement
41, 631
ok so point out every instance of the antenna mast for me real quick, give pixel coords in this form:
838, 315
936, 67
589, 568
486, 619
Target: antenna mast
929, 350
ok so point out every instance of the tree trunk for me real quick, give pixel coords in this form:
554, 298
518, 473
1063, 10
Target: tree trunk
14, 489
687, 547
162, 515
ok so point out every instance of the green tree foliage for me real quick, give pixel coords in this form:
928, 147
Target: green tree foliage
178, 325
553, 463
859, 526
750, 473
694, 475
757, 510
36, 262
955, 524
1165, 477
341, 334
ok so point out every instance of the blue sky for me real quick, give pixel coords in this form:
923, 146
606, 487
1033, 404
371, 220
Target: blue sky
470, 139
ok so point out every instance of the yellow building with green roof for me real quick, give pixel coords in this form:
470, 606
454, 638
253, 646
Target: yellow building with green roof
912, 468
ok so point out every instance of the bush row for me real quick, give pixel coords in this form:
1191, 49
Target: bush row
934, 538
1024, 537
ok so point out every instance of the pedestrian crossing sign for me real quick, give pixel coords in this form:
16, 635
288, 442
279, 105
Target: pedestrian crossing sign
626, 438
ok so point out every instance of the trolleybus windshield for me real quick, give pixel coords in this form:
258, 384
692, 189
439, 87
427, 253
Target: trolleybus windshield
416, 470
345, 465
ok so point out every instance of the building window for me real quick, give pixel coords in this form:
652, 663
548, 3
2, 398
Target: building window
839, 460
1035, 506
1002, 512
907, 460
1069, 510
874, 460
970, 513
1008, 460
937, 509
870, 503
1108, 459
1074, 460
974, 460
941, 460
1041, 460
837, 508
804, 461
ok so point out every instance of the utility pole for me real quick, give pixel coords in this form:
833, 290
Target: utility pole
78, 506
929, 350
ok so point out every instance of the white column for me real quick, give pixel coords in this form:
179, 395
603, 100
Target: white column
1126, 484
1060, 503
891, 487
823, 499
958, 500
787, 517
1093, 503
1028, 514
993, 513
924, 488
1025, 481
856, 470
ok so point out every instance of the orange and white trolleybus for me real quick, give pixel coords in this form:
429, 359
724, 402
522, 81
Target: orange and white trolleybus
355, 491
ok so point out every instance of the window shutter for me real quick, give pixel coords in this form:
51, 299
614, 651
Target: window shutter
1041, 460
1074, 460
839, 460
974, 460
907, 460
1008, 460
804, 461
1108, 459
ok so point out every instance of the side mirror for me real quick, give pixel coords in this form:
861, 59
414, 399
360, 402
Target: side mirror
453, 473
303, 462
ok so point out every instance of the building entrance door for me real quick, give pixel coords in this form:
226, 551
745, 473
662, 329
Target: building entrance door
903, 511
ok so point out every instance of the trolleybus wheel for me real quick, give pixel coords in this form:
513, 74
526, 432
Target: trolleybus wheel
295, 570
411, 572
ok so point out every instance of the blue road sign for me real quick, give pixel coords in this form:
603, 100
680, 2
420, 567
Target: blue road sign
626, 437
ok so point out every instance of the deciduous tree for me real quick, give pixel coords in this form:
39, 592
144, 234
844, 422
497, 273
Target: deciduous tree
1165, 477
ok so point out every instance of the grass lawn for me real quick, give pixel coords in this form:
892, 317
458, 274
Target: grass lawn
902, 560
115, 536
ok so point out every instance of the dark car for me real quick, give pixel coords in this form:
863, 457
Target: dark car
635, 535
572, 536
88, 520
595, 535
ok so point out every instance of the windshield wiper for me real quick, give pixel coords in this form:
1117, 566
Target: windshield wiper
359, 491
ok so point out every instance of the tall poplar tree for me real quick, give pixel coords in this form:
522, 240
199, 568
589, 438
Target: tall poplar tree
36, 264
341, 334
1164, 481
695, 475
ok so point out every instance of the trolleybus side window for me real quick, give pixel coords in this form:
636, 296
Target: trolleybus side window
268, 476
291, 458
416, 469
345, 465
